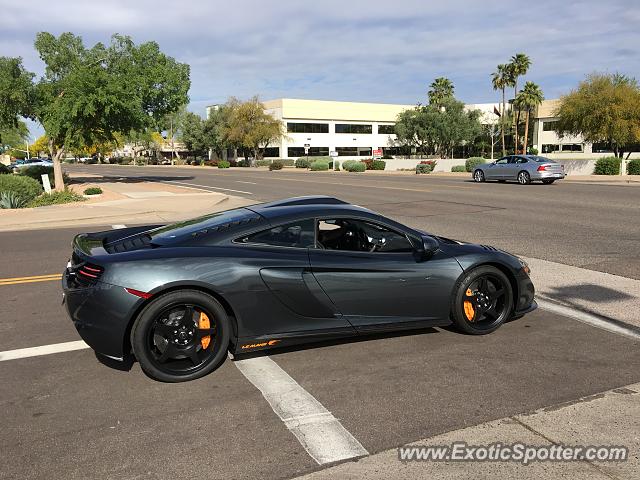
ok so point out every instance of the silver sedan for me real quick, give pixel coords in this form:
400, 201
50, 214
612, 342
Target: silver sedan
522, 168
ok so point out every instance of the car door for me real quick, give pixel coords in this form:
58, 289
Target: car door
371, 274
510, 170
520, 163
495, 171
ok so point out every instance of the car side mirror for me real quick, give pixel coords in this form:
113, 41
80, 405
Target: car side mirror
426, 250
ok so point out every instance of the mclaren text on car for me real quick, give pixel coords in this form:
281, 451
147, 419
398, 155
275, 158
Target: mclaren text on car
178, 297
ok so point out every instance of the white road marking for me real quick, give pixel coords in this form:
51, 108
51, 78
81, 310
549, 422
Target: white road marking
250, 183
118, 227
204, 187
318, 431
43, 350
588, 318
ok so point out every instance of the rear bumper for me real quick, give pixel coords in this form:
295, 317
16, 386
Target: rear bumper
101, 314
547, 175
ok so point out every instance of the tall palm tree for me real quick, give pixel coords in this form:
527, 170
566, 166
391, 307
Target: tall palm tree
440, 89
500, 80
518, 66
529, 98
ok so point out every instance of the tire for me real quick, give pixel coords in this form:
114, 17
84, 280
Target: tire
478, 176
524, 178
154, 333
548, 181
499, 310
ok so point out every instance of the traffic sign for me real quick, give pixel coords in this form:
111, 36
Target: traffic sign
333, 153
377, 153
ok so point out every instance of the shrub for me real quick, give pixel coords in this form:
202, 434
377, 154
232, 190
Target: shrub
458, 168
319, 166
223, 164
533, 151
4, 169
93, 191
263, 163
302, 162
633, 167
11, 200
607, 166
55, 198
428, 166
378, 165
276, 165
368, 162
287, 162
336, 166
423, 168
25, 187
37, 171
354, 166
471, 163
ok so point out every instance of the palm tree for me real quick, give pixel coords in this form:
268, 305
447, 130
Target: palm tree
529, 98
501, 79
518, 67
440, 89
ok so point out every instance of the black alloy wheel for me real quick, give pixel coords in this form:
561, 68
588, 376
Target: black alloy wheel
181, 336
483, 302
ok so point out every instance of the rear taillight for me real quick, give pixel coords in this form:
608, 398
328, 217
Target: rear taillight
542, 168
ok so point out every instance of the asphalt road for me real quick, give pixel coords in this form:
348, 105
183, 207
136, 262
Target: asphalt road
69, 416
587, 225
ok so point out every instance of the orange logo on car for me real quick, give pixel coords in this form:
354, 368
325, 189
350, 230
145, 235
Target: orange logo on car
257, 345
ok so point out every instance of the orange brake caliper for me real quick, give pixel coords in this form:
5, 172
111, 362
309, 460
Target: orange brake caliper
204, 323
468, 306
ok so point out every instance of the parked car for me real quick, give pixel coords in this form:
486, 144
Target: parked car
33, 162
180, 296
521, 168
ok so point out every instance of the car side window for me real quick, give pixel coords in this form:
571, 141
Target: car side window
299, 234
502, 161
513, 160
522, 160
360, 236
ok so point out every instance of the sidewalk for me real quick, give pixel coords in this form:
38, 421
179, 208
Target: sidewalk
122, 203
606, 419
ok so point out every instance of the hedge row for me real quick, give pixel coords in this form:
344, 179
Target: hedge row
471, 163
607, 166
354, 166
633, 167
24, 187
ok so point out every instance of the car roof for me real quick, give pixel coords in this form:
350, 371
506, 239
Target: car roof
307, 205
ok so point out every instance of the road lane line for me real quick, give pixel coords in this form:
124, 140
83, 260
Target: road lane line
318, 431
203, 186
590, 319
34, 279
250, 183
118, 226
42, 350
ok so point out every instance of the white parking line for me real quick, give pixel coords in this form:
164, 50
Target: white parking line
588, 318
250, 183
118, 226
204, 186
43, 350
318, 431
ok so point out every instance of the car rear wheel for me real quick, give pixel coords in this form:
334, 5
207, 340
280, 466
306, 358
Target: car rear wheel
483, 301
548, 181
181, 336
524, 178
478, 176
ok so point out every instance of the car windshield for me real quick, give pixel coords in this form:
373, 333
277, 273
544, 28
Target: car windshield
207, 222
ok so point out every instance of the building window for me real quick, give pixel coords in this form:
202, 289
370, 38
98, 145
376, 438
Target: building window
550, 148
307, 127
313, 152
601, 148
386, 129
353, 151
549, 125
353, 128
272, 152
571, 147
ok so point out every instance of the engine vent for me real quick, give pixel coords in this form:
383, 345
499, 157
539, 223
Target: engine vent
136, 242
489, 248
83, 274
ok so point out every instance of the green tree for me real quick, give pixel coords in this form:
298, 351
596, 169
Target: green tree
15, 136
604, 108
16, 93
500, 80
529, 98
88, 94
414, 130
439, 90
192, 134
215, 129
250, 127
518, 66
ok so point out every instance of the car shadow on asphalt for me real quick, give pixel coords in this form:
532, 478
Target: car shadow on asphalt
587, 292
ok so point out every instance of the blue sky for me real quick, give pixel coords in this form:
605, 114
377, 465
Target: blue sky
377, 51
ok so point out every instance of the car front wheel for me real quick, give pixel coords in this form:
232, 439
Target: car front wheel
478, 176
181, 336
483, 301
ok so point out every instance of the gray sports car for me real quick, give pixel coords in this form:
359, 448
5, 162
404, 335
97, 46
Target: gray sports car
522, 168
